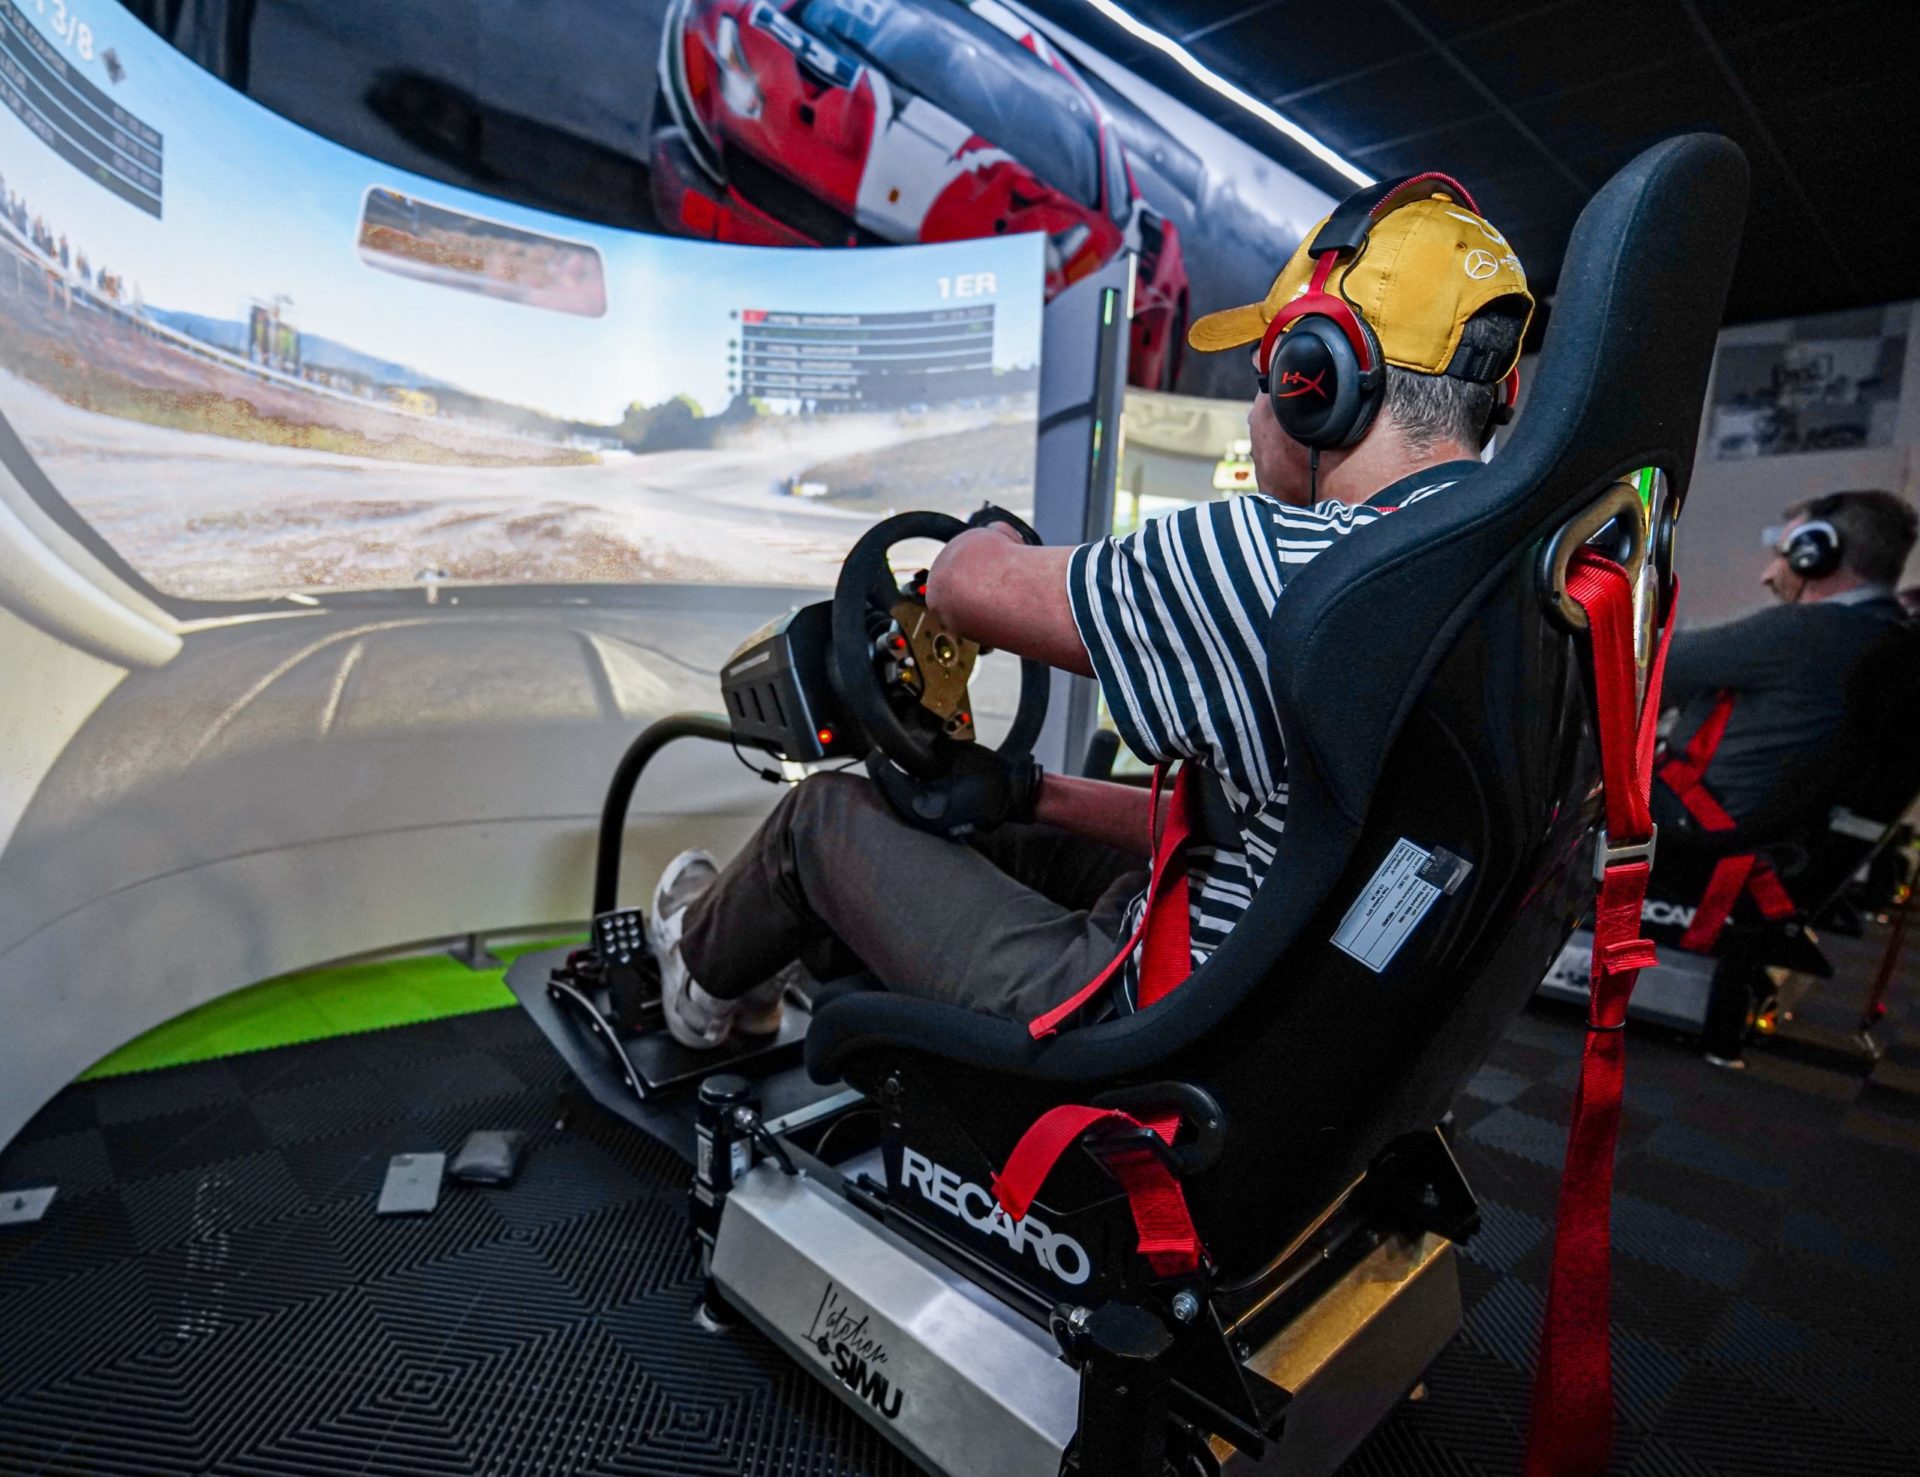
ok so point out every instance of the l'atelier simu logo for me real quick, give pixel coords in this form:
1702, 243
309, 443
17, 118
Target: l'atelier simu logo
854, 1356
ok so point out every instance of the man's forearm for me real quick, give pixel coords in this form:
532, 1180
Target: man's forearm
1099, 810
992, 588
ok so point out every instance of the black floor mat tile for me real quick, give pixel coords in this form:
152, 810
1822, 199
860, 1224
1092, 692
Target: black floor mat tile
211, 1292
163, 1143
168, 1091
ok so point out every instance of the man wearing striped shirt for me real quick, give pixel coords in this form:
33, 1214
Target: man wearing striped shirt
1028, 887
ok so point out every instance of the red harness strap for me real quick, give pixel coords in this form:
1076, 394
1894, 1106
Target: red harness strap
1165, 923
1168, 1239
1571, 1429
1685, 774
1732, 875
1748, 872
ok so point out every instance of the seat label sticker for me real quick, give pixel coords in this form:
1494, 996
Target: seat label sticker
1400, 893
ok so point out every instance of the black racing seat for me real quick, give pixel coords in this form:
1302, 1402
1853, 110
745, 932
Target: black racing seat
1827, 819
1428, 694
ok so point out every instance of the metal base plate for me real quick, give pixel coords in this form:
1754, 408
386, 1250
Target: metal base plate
970, 1389
1353, 1354
944, 1371
661, 1064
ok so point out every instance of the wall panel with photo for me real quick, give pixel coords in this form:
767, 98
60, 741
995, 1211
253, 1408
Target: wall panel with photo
1830, 383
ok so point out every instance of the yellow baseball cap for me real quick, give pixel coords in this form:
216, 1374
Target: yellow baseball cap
1427, 267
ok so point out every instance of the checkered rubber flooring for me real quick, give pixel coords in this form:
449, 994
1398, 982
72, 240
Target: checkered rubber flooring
211, 1292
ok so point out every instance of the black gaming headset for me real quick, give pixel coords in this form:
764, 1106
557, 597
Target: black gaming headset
1814, 550
1320, 362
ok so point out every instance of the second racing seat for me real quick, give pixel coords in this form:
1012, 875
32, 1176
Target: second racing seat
1433, 690
1826, 816
1747, 895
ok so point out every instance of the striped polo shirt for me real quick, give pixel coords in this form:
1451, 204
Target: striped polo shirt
1175, 617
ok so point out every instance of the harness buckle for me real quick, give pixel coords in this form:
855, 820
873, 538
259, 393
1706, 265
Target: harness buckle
1116, 1141
1606, 854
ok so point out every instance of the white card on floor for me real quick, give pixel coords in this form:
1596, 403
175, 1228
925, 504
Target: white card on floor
1394, 901
23, 1207
412, 1185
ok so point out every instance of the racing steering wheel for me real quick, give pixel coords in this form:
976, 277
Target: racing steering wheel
917, 712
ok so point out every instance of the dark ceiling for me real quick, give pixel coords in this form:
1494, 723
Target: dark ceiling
1533, 105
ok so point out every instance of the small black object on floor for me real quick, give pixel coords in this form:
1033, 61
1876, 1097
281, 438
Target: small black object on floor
488, 1156
211, 1293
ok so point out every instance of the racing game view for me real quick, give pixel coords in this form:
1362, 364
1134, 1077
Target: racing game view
259, 365
920, 122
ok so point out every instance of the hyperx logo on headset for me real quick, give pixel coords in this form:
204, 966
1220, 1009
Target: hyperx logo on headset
1301, 384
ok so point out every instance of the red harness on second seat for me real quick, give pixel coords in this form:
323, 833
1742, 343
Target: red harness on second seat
1748, 872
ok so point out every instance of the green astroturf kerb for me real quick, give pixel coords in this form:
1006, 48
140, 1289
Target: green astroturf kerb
314, 1004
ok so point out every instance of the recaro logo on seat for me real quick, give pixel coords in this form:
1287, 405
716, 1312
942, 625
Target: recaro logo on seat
1061, 1255
1655, 911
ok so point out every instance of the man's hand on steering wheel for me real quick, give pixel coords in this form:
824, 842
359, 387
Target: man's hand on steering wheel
981, 790
978, 525
902, 673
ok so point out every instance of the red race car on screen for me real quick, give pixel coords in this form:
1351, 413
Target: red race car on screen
855, 122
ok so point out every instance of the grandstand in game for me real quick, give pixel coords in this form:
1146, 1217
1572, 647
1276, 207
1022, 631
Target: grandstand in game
865, 361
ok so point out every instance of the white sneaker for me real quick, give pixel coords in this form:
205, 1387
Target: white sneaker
694, 1018
761, 1010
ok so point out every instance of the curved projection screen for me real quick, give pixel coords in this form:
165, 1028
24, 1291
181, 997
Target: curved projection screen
351, 525
258, 366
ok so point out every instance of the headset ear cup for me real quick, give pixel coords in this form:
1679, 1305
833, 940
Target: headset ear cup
1313, 382
1813, 550
1506, 394
1372, 384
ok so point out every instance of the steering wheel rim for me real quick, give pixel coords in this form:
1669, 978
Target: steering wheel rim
866, 577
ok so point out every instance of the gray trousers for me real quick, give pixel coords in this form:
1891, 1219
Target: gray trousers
1010, 924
